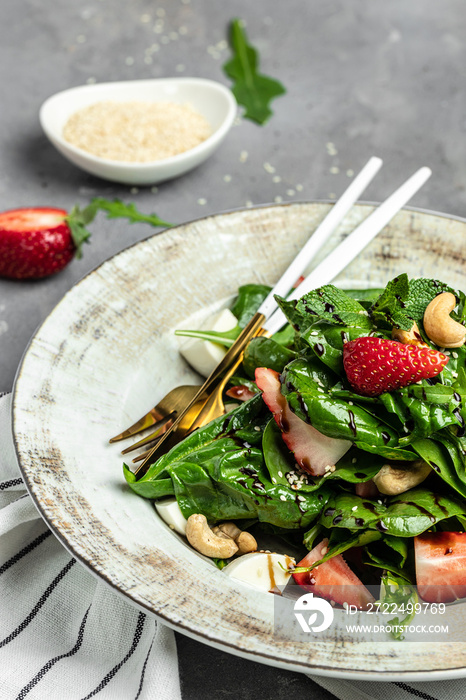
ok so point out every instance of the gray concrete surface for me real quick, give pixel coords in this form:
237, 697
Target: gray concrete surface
363, 77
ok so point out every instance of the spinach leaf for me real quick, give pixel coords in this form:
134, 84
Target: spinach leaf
327, 343
389, 554
340, 543
396, 591
251, 89
405, 515
226, 338
219, 471
265, 352
248, 301
446, 458
331, 416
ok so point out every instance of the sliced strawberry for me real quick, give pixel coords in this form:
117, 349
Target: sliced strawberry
34, 242
333, 579
312, 450
374, 365
240, 392
441, 566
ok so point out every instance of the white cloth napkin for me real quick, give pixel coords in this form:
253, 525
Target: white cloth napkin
64, 635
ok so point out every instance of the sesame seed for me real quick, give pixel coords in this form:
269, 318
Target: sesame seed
280, 474
331, 150
354, 508
278, 199
299, 188
202, 201
274, 481
129, 60
183, 30
145, 18
334, 170
134, 190
180, 68
345, 605
243, 156
269, 168
290, 193
332, 195
227, 178
301, 498
257, 429
283, 498
354, 460
350, 403
350, 173
276, 179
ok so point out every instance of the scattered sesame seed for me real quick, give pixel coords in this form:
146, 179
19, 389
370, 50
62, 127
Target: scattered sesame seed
147, 59
442, 349
345, 605
173, 36
278, 199
350, 173
243, 156
221, 45
332, 195
276, 179
257, 429
129, 60
301, 498
160, 12
183, 30
274, 481
295, 487
158, 29
350, 403
334, 170
454, 355
324, 551
332, 603
134, 190
91, 80
331, 150
180, 68
380, 502
227, 178
454, 374
299, 187
81, 39
290, 193
249, 203
280, 474
354, 460
269, 168
164, 40
283, 498
354, 508
145, 18
202, 201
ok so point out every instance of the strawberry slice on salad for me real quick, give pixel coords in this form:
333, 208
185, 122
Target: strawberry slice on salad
441, 566
333, 579
312, 450
375, 365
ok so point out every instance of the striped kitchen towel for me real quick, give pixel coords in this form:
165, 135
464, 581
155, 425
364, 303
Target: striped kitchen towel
64, 635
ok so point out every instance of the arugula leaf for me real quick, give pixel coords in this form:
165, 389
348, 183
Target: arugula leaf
78, 219
396, 591
251, 89
226, 338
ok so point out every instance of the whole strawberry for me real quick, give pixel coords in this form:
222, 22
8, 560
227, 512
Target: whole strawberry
40, 241
374, 365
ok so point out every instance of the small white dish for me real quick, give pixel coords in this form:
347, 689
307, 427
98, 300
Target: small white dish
213, 100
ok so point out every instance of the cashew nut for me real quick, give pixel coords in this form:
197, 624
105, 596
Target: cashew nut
394, 479
438, 324
245, 541
207, 542
411, 337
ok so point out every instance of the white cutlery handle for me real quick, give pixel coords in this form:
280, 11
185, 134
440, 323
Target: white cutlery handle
354, 243
321, 234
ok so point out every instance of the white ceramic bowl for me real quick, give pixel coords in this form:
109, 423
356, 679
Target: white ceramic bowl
213, 100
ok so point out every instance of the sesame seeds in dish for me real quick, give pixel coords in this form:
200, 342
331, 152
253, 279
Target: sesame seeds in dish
136, 132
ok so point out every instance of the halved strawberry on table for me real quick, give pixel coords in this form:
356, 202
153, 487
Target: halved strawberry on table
37, 242
375, 365
333, 579
440, 559
312, 450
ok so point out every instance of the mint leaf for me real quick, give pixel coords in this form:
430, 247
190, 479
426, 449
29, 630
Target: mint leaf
404, 301
251, 89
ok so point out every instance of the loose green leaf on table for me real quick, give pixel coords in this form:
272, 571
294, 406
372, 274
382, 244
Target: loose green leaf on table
252, 90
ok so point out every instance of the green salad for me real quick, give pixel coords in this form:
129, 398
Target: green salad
348, 436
